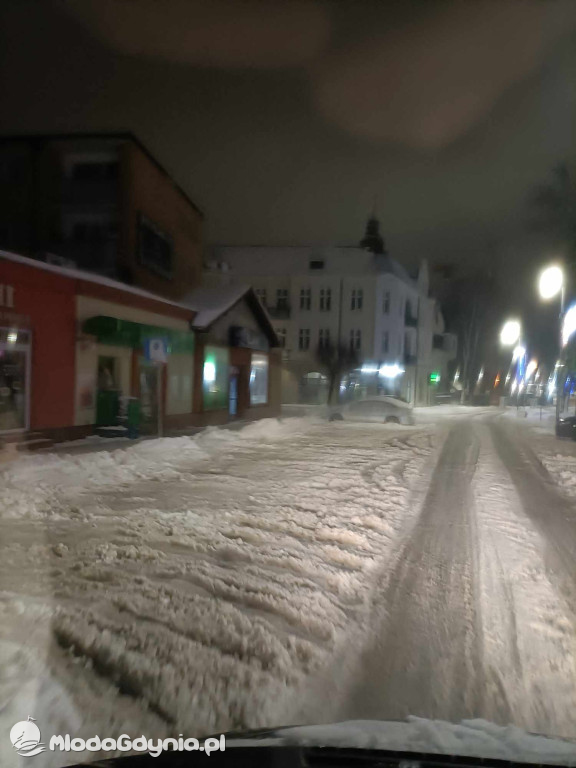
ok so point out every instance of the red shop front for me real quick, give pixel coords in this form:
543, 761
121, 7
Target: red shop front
37, 347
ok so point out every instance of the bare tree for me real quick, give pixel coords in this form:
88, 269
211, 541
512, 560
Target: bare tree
336, 360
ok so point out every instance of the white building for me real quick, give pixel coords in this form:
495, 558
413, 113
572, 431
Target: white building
347, 295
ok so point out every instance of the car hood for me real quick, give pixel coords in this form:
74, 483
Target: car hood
470, 738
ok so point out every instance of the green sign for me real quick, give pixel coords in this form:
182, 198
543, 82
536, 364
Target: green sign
434, 377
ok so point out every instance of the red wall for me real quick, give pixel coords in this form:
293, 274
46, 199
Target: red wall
48, 300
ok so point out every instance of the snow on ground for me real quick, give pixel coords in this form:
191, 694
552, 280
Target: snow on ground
193, 584
558, 455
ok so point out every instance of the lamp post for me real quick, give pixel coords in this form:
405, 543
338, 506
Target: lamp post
550, 284
510, 337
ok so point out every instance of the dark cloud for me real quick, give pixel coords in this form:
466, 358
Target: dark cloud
429, 81
220, 33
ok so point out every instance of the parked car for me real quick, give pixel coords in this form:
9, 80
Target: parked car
387, 410
566, 427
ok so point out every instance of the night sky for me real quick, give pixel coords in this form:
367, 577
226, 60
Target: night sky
284, 120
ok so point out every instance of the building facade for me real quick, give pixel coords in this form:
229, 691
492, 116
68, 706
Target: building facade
348, 296
80, 352
102, 203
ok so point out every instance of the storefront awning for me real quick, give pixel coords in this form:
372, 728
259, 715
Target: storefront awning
124, 333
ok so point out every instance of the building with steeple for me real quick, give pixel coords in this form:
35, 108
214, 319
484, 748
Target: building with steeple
357, 296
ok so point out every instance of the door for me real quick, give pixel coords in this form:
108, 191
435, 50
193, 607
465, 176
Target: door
14, 382
148, 380
233, 391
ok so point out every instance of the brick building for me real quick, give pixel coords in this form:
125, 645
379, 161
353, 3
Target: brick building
99, 202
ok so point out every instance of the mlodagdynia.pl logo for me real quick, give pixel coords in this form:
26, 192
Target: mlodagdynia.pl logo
25, 737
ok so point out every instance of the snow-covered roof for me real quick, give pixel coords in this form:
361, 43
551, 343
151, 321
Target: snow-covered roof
211, 302
272, 261
79, 274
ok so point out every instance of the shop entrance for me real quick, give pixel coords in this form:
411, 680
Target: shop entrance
149, 383
233, 391
14, 380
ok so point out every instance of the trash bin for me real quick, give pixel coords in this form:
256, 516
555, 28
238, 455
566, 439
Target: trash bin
133, 415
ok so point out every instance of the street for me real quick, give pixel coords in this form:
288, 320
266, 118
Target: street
293, 571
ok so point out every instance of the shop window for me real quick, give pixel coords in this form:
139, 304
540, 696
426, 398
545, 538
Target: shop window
108, 373
259, 380
215, 378
155, 248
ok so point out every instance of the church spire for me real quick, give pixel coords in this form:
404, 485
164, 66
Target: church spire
373, 240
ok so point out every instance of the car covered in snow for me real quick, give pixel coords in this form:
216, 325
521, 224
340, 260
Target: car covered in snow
386, 410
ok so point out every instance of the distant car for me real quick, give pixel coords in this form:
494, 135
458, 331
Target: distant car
383, 410
566, 427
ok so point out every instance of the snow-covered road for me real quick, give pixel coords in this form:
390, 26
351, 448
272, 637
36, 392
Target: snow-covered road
294, 571
478, 618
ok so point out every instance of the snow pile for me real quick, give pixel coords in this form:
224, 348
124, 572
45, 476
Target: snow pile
473, 738
195, 583
562, 469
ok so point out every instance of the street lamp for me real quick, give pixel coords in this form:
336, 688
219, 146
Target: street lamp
550, 284
510, 333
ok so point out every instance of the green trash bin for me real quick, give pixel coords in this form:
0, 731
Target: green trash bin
133, 416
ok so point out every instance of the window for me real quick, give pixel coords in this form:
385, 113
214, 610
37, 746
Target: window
215, 378
385, 343
282, 298
316, 264
281, 333
261, 293
94, 170
259, 380
304, 338
323, 337
401, 307
305, 298
325, 299
155, 248
386, 303
357, 298
355, 340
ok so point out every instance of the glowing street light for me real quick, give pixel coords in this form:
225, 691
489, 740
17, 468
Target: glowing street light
551, 282
510, 333
568, 324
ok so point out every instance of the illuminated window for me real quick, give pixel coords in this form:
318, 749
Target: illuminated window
259, 380
215, 378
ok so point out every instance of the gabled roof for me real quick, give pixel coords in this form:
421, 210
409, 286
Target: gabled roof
211, 303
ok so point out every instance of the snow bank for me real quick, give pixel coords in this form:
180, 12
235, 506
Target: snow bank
197, 582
